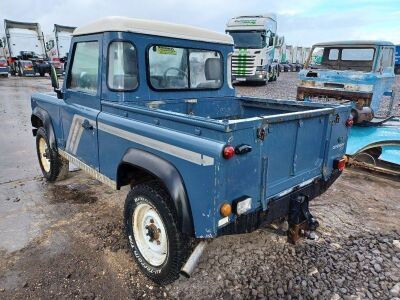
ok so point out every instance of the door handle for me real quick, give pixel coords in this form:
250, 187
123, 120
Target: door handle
86, 124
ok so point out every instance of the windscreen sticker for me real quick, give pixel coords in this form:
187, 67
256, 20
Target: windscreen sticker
166, 50
246, 22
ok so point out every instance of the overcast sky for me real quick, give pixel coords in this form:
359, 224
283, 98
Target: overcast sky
302, 22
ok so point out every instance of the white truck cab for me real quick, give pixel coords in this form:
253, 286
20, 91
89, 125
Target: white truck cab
255, 41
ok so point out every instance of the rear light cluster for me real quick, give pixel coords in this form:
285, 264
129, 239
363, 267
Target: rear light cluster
349, 122
56, 63
340, 164
228, 152
3, 63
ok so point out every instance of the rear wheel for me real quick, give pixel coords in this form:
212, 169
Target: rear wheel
151, 226
53, 166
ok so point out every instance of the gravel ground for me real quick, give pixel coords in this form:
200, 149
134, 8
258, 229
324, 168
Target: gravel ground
65, 240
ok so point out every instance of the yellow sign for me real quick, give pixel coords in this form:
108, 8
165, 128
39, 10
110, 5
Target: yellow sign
166, 50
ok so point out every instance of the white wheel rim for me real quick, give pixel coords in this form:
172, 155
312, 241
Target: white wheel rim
42, 153
149, 233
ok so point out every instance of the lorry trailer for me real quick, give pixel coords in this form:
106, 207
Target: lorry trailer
26, 48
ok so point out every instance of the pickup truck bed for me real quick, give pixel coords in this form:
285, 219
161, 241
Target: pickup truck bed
300, 143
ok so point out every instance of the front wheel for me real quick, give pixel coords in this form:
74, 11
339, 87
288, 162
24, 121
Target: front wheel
157, 244
53, 166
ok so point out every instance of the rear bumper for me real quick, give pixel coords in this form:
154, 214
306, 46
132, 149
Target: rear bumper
303, 92
277, 208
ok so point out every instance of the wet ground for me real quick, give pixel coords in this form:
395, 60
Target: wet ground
65, 240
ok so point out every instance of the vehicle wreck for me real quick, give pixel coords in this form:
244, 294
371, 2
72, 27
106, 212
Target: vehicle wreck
360, 72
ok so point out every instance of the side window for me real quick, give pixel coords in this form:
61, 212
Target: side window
387, 57
168, 67
122, 67
182, 68
50, 45
333, 54
85, 68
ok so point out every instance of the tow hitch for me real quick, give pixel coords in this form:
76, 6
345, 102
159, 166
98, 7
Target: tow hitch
301, 221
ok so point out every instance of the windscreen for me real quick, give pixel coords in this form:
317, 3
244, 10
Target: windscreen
342, 58
248, 39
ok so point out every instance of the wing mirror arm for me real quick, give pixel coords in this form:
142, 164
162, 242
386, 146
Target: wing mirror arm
54, 83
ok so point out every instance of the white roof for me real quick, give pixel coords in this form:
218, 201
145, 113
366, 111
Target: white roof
153, 28
252, 22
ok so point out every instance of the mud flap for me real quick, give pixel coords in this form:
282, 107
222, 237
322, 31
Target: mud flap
301, 221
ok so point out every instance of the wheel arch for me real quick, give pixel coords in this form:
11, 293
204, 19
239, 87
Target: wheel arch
41, 118
138, 166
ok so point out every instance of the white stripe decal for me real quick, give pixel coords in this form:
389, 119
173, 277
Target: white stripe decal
74, 135
185, 154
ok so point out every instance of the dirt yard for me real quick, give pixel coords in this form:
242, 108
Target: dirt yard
65, 240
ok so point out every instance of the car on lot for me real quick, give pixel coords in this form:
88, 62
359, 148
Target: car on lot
4, 69
150, 105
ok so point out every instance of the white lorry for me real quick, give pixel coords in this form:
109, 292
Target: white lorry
26, 52
255, 41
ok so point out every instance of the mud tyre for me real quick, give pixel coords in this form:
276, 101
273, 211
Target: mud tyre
151, 226
53, 166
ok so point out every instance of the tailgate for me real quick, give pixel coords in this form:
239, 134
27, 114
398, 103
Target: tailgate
296, 149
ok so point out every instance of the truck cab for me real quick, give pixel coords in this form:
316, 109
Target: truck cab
26, 48
150, 105
359, 71
255, 40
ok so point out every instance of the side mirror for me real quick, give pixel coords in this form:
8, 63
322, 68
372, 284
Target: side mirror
271, 41
280, 40
54, 82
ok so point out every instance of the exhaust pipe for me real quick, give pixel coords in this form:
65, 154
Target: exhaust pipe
193, 259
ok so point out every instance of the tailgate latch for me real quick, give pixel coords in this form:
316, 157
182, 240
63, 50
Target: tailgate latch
262, 132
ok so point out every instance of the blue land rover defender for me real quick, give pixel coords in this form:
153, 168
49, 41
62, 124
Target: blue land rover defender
150, 105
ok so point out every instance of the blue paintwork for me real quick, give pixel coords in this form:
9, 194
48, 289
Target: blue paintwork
397, 56
381, 79
388, 134
391, 154
302, 139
